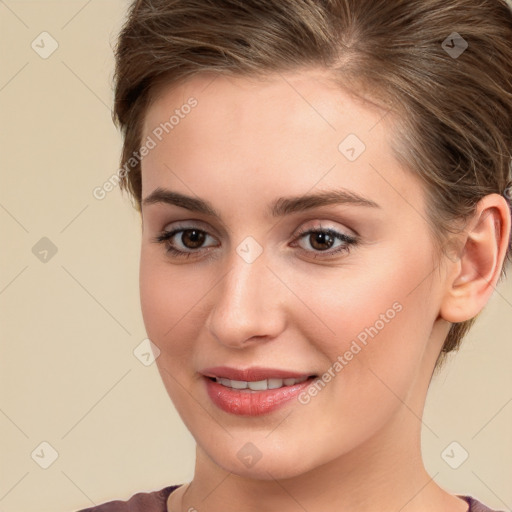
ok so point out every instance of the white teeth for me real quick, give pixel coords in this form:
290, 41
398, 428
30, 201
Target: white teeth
259, 385
274, 383
236, 384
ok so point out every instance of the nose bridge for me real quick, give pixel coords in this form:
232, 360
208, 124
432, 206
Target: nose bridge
246, 298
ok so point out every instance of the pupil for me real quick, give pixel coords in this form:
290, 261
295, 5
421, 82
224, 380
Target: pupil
323, 238
196, 237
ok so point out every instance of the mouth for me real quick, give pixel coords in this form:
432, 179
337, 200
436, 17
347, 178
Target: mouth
260, 385
254, 391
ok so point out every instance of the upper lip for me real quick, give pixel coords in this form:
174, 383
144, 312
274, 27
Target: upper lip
253, 374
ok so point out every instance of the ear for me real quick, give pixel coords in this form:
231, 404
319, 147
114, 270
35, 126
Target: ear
472, 277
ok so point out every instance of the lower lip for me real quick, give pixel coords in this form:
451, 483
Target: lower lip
246, 402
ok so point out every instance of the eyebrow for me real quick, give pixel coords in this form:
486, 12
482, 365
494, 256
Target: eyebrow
279, 208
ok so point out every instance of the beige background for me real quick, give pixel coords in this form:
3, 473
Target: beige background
70, 325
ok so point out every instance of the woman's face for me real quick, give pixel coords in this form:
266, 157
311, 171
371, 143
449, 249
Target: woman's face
355, 304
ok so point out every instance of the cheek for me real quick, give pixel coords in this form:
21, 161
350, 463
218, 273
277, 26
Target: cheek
167, 302
174, 303
167, 298
381, 329
379, 324
157, 297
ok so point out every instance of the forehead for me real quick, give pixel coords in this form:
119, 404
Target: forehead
309, 99
290, 131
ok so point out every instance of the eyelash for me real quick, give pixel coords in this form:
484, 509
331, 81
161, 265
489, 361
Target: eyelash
349, 241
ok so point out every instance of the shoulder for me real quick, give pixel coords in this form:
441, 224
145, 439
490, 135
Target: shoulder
477, 506
155, 501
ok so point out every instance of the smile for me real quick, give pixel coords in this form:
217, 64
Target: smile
259, 385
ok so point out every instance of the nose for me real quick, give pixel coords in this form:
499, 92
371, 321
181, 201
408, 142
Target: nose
247, 307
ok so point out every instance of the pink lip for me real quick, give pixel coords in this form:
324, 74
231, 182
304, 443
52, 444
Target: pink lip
246, 402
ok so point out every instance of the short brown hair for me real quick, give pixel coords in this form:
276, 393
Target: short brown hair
454, 128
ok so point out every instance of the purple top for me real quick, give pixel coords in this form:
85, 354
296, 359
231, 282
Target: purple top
156, 501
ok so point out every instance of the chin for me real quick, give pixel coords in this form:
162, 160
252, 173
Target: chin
272, 469
262, 460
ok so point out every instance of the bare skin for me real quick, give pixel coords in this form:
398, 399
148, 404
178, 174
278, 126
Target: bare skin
355, 446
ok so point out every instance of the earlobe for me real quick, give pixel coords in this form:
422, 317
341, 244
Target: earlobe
471, 278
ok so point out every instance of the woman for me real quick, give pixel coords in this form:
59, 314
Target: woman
324, 188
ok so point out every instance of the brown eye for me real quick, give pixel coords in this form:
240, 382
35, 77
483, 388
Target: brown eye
188, 244
192, 238
321, 240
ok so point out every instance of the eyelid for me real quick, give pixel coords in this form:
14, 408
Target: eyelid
184, 224
321, 225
